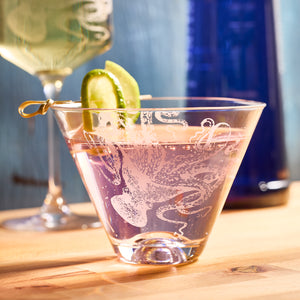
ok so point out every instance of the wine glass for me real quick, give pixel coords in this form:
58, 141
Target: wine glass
49, 39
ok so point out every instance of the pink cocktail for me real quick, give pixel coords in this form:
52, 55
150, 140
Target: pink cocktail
159, 184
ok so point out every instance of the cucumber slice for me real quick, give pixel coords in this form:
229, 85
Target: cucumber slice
129, 86
101, 89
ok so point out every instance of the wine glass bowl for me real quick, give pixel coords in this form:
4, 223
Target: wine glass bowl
49, 39
54, 37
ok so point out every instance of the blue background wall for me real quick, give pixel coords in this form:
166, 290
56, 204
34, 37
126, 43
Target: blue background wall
150, 42
289, 39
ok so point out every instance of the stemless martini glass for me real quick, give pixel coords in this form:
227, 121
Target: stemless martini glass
158, 184
49, 39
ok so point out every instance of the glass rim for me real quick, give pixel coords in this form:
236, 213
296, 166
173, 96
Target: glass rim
237, 104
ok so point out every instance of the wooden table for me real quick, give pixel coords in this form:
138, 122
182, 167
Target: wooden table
251, 254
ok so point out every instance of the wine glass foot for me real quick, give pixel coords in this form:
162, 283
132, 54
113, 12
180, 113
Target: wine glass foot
52, 222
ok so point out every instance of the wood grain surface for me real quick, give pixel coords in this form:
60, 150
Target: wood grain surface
251, 254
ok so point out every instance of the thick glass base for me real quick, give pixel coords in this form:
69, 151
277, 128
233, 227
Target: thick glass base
160, 251
52, 222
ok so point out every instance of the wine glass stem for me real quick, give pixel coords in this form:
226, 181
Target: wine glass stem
54, 202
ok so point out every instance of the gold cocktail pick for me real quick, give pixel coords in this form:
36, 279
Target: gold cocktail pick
42, 110
45, 105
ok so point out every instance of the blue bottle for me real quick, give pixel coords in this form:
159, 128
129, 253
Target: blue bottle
232, 53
